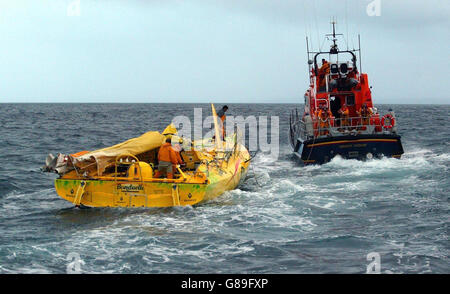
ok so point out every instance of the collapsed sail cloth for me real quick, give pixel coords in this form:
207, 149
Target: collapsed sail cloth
134, 146
103, 157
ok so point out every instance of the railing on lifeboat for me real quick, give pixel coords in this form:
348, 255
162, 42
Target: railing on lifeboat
334, 127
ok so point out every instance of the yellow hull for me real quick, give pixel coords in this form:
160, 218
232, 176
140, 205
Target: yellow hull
129, 192
97, 178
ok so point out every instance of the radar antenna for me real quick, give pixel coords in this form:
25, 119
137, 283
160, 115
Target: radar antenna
334, 48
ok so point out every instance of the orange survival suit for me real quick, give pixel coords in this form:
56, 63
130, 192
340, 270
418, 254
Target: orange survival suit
323, 70
345, 113
168, 159
324, 116
365, 112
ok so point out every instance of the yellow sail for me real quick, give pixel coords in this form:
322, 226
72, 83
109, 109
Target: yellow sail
219, 144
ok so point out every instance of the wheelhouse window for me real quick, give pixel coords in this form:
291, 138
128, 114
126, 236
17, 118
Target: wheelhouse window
350, 100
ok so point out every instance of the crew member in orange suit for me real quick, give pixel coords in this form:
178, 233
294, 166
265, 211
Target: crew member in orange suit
325, 117
344, 115
323, 70
365, 113
167, 158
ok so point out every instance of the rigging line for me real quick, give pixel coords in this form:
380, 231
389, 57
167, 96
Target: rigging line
346, 21
347, 41
311, 41
331, 30
320, 48
317, 27
359, 50
304, 19
308, 24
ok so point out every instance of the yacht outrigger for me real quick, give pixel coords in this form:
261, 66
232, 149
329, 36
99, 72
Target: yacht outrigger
122, 175
339, 118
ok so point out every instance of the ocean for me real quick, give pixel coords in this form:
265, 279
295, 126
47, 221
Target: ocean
285, 218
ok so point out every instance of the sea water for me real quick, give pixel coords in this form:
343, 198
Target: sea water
285, 218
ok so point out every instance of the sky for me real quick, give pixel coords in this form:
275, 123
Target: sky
227, 51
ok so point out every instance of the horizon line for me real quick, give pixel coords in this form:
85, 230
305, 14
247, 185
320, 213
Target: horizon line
202, 103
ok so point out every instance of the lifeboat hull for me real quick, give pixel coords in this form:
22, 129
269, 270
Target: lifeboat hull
361, 147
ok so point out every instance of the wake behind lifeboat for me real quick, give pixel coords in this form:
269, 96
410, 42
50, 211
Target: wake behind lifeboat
339, 118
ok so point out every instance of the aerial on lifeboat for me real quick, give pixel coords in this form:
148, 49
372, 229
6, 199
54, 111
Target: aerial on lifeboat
339, 118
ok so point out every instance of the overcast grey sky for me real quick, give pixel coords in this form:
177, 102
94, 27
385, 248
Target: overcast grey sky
248, 51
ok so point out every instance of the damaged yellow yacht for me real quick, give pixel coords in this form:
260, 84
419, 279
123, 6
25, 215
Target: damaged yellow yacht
123, 175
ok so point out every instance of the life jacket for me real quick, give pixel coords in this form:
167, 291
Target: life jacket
345, 113
166, 153
324, 118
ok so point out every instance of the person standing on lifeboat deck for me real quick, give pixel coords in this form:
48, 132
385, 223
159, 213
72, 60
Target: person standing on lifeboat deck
167, 158
325, 117
222, 116
365, 113
344, 115
323, 71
